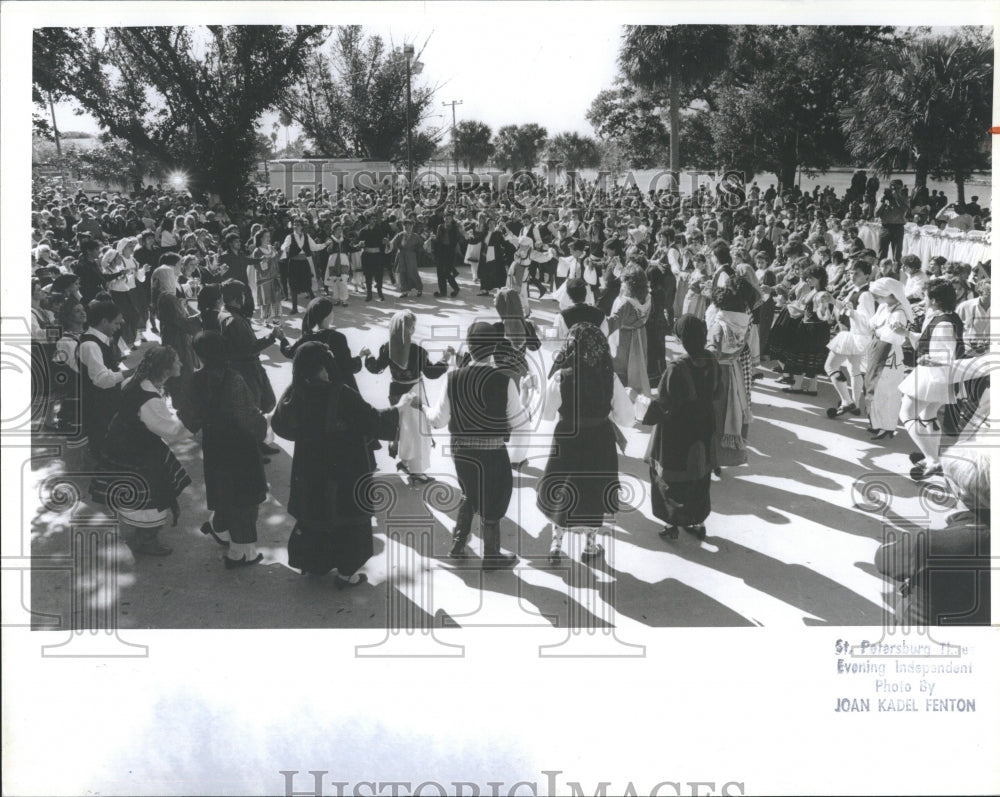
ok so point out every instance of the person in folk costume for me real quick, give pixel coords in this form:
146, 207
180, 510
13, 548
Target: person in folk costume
408, 362
811, 346
316, 323
629, 314
491, 270
516, 336
847, 348
236, 266
264, 265
681, 454
519, 265
101, 375
406, 246
931, 385
579, 311
787, 325
297, 249
577, 266
883, 360
447, 238
321, 255
727, 339
210, 304
244, 348
658, 325
222, 408
338, 270
119, 276
481, 406
138, 444
580, 482
178, 327
332, 466
751, 357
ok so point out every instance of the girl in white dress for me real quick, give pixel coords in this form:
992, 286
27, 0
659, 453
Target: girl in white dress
883, 365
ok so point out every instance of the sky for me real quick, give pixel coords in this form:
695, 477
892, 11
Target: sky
512, 72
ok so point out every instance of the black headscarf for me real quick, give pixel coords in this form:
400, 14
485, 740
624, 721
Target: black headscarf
211, 349
318, 309
309, 359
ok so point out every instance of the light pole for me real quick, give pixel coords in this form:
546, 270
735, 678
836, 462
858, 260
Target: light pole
408, 53
453, 103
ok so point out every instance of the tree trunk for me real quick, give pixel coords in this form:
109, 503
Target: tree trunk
920, 169
960, 185
675, 128
55, 128
786, 173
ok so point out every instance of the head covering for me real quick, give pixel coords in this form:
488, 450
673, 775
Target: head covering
400, 334
166, 278
482, 339
318, 309
692, 332
587, 352
211, 349
120, 246
509, 306
887, 286
310, 358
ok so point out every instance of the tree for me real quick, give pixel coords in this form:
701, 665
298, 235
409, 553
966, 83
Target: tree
927, 103
631, 120
574, 151
351, 101
118, 162
675, 57
189, 97
471, 143
519, 146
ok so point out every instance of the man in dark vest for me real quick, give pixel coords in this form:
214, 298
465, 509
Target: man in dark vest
579, 311
101, 374
480, 405
445, 251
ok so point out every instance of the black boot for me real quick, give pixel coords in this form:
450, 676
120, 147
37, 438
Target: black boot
463, 528
493, 558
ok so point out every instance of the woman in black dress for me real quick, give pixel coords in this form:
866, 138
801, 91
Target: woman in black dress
332, 466
232, 427
316, 327
580, 483
680, 453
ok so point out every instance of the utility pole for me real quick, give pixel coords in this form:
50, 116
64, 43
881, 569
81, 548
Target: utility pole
55, 128
453, 103
408, 53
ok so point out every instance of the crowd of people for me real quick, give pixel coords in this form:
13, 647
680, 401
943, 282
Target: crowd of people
781, 281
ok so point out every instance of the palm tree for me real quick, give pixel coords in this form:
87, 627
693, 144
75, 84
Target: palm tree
927, 102
675, 57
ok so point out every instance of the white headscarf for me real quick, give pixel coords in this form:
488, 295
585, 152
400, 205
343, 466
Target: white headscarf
887, 286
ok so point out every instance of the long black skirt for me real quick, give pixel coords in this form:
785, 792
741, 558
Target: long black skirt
681, 503
580, 484
299, 276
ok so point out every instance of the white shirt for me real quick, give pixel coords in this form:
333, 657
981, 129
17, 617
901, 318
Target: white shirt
622, 411
300, 240
90, 355
65, 353
976, 321
157, 417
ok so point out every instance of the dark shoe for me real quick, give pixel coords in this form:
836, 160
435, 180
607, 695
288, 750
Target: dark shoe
916, 457
438, 294
381, 298
810, 392
885, 433
786, 380
458, 549
669, 533
836, 412
756, 376
353, 581
697, 530
235, 564
856, 411
420, 478
499, 561
793, 390
592, 553
208, 529
266, 449
368, 298
454, 293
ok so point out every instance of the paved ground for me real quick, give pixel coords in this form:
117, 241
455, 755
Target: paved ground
790, 541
